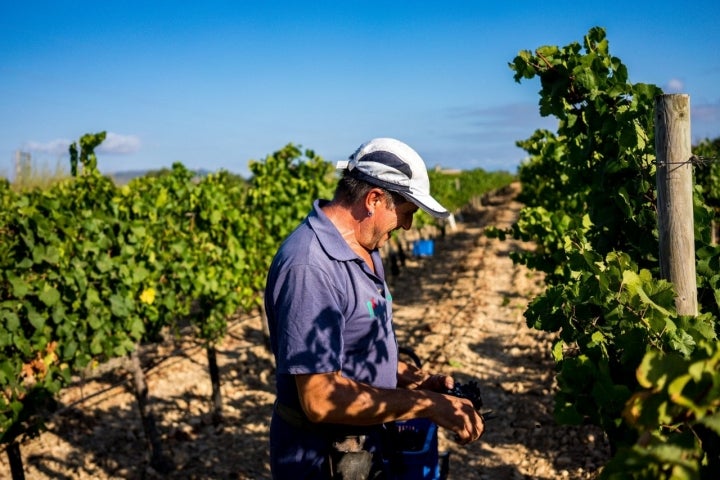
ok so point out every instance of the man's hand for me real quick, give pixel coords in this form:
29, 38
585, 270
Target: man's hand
459, 416
437, 383
412, 378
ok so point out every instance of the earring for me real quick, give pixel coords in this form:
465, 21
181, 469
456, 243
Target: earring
370, 214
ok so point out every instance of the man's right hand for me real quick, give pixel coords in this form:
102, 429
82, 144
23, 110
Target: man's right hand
459, 416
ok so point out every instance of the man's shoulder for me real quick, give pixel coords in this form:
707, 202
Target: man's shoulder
300, 240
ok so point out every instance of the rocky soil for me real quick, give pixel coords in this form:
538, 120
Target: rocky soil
461, 310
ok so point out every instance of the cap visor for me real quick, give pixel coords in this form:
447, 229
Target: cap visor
428, 204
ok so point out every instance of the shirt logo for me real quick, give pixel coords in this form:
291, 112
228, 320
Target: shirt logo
372, 305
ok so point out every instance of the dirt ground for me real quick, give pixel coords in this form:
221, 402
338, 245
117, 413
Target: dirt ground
460, 309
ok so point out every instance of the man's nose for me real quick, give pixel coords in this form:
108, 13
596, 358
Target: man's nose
407, 223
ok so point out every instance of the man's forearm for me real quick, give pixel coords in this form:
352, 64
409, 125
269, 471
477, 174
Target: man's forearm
333, 398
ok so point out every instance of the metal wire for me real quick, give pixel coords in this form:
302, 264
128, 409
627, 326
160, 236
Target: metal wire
699, 160
693, 160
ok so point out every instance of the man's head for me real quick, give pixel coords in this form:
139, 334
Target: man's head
395, 167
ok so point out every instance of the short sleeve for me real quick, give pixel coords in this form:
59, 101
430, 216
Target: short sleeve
309, 322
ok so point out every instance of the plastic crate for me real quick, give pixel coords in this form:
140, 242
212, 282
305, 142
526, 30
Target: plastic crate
418, 456
424, 248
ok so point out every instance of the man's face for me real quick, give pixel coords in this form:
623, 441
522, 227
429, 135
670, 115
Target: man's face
389, 217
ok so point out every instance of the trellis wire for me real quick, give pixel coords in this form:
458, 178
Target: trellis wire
693, 160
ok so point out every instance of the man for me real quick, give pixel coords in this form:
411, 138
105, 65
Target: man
339, 381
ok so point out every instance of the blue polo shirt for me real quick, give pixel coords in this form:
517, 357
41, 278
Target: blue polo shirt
327, 312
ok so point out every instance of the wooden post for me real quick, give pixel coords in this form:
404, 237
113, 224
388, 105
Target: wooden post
675, 198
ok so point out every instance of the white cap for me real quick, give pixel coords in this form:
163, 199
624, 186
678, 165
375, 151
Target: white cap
394, 166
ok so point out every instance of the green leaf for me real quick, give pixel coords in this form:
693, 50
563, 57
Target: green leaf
634, 283
137, 328
25, 263
96, 344
675, 390
162, 198
119, 306
712, 422
680, 340
52, 255
49, 295
95, 322
657, 368
92, 299
20, 287
9, 319
35, 319
69, 349
139, 274
104, 264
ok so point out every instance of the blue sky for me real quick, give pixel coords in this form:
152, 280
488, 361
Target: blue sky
215, 84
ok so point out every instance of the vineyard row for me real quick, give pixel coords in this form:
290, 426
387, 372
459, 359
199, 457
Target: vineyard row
90, 270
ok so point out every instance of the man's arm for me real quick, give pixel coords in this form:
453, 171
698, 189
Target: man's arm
332, 398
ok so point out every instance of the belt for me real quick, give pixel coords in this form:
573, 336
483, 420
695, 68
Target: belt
294, 417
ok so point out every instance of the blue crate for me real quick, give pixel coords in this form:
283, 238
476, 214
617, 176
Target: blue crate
418, 463
424, 248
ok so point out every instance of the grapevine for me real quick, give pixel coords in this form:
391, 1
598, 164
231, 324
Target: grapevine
590, 209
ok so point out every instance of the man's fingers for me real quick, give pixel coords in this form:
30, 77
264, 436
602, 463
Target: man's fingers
449, 383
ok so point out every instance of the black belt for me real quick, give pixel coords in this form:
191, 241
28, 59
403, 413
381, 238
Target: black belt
293, 416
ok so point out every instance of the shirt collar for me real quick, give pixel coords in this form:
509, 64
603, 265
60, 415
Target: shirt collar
328, 235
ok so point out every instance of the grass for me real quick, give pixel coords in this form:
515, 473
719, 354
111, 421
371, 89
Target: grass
30, 174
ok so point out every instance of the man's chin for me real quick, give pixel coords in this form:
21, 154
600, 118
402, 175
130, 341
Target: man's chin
382, 241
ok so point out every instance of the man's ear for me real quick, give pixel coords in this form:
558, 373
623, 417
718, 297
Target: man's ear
373, 198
